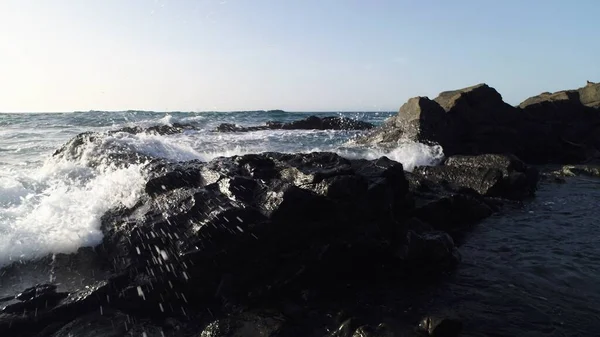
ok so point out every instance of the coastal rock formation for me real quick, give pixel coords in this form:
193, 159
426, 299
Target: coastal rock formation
210, 243
549, 128
309, 123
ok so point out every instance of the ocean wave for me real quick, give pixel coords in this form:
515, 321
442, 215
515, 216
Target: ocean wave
57, 208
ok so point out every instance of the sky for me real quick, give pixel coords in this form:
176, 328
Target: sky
296, 55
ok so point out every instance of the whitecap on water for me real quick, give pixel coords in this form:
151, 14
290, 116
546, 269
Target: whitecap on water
58, 208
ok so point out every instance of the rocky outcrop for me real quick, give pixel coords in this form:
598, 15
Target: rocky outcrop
490, 175
548, 128
309, 123
210, 240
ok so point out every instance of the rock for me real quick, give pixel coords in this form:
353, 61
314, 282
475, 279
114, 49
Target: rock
50, 310
309, 123
407, 124
107, 324
429, 253
95, 148
162, 129
248, 324
308, 207
503, 176
590, 95
36, 291
381, 330
452, 213
344, 330
440, 326
562, 127
547, 99
576, 170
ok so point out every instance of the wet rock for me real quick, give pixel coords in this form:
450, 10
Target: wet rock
429, 253
444, 207
248, 324
344, 330
440, 326
94, 149
49, 311
107, 324
577, 170
549, 128
36, 291
163, 129
381, 330
490, 175
309, 123
40, 296
298, 210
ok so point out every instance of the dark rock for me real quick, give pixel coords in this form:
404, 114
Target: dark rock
440, 326
344, 330
380, 330
577, 170
490, 175
248, 324
37, 291
549, 128
309, 123
162, 129
547, 100
105, 324
96, 148
429, 253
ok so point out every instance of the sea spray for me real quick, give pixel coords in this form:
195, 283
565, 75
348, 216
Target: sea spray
60, 206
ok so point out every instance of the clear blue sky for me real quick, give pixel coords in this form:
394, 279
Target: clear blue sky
297, 55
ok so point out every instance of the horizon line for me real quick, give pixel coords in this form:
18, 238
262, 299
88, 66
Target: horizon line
202, 111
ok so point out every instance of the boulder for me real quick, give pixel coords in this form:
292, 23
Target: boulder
590, 95
440, 326
562, 127
491, 175
309, 123
247, 324
162, 129
381, 330
547, 99
407, 124
429, 253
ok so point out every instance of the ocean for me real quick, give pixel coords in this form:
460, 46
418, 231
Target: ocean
527, 271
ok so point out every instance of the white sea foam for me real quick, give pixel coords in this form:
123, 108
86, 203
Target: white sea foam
410, 154
57, 208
